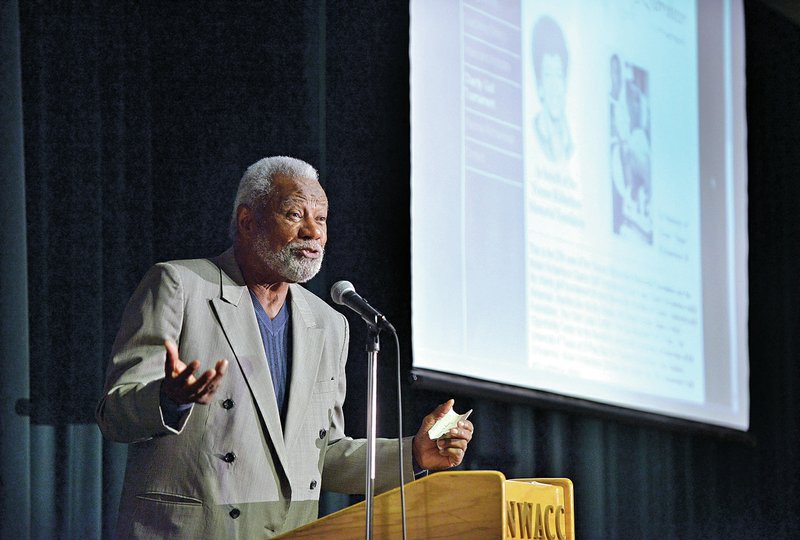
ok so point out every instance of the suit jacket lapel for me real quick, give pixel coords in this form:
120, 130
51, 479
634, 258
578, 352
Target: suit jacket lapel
307, 341
234, 308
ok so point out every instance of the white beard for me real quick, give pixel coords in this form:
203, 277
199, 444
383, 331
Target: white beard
285, 263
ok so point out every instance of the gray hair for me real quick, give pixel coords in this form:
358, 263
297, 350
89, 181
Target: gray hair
256, 183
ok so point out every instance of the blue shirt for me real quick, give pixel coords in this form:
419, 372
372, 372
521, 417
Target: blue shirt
276, 335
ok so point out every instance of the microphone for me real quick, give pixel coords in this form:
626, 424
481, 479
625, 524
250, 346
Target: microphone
344, 294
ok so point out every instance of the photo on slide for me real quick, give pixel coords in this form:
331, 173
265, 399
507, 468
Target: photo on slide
553, 187
629, 147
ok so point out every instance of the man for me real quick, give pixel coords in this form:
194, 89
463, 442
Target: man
243, 449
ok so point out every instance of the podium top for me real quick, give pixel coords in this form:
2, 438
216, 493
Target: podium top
460, 504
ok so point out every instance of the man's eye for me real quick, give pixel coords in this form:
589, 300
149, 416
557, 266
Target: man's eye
322, 219
295, 215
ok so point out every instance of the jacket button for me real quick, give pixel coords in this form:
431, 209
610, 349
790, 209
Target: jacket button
313, 484
230, 457
228, 404
322, 433
235, 513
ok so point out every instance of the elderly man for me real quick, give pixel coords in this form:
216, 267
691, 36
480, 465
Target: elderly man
243, 449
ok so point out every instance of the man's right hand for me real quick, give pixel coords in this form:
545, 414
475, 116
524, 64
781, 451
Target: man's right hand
181, 386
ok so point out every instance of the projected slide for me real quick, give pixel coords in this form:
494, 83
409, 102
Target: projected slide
578, 200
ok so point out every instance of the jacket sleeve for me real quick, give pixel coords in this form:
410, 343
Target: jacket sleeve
129, 410
345, 459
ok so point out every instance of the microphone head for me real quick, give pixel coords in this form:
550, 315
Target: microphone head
339, 289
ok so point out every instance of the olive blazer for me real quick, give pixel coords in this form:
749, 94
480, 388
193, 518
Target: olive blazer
230, 469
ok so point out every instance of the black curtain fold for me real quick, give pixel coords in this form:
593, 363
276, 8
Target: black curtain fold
15, 459
90, 213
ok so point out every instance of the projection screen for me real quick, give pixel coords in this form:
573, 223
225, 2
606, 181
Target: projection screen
578, 201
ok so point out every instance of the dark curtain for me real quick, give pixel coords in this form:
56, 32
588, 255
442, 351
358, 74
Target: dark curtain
15, 463
139, 119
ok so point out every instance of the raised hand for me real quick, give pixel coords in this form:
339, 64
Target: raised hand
180, 384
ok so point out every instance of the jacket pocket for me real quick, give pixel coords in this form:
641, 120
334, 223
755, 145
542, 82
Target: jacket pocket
324, 387
169, 498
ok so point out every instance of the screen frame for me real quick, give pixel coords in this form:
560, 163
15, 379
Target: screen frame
430, 378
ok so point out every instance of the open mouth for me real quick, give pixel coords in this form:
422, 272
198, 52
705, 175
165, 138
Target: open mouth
308, 252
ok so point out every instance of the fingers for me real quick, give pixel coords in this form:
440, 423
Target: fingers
185, 376
452, 449
464, 430
172, 359
448, 447
444, 408
200, 386
203, 390
222, 367
454, 446
436, 414
457, 437
180, 383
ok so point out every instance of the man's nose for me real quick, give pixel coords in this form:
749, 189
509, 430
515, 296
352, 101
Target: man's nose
310, 229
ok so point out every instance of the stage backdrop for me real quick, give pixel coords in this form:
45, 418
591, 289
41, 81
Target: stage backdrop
138, 121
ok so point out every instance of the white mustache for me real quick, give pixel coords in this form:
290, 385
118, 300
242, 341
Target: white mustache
307, 244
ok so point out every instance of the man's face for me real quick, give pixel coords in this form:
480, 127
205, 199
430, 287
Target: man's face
291, 229
552, 87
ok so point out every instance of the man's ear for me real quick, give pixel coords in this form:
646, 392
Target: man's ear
245, 221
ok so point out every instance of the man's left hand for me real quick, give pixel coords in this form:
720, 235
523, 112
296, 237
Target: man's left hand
447, 451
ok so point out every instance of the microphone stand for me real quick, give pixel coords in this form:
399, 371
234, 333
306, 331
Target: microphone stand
344, 293
373, 346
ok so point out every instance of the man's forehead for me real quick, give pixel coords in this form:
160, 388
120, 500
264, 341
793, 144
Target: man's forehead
288, 189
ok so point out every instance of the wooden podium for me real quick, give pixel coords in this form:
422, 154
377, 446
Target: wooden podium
470, 504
